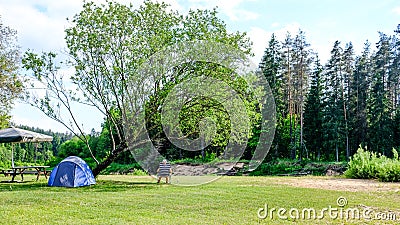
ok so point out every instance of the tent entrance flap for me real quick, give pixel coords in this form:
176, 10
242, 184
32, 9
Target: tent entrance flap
65, 176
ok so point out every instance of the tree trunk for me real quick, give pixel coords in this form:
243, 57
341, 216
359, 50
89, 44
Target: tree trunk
337, 152
103, 165
293, 149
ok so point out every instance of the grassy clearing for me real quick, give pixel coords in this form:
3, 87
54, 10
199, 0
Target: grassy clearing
124, 199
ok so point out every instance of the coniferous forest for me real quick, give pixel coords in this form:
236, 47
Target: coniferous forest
326, 111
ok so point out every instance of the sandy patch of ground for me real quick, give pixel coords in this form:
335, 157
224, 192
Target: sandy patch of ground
324, 182
201, 170
340, 184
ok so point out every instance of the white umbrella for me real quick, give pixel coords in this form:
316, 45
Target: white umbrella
16, 135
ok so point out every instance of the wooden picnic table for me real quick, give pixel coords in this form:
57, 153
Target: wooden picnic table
21, 170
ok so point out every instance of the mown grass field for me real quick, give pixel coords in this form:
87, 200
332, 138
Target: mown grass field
125, 199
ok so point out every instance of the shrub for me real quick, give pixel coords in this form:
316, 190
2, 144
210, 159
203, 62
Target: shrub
5, 164
139, 172
277, 167
369, 165
123, 169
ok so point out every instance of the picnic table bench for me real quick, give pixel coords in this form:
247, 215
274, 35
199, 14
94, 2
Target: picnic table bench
21, 170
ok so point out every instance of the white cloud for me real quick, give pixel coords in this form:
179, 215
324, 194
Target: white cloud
396, 10
24, 114
40, 24
260, 38
275, 25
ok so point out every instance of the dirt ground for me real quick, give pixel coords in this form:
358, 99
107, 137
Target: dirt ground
322, 182
332, 183
200, 170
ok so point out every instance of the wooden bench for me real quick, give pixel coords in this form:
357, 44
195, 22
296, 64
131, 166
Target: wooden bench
6, 172
35, 170
11, 172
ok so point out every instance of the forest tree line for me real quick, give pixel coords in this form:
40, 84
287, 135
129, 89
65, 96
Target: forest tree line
325, 112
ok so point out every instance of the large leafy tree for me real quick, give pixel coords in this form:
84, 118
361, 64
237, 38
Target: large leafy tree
10, 84
106, 46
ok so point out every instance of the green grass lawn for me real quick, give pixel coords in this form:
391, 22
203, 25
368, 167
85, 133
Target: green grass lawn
126, 199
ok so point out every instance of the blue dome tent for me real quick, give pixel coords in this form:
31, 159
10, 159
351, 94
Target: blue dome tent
71, 172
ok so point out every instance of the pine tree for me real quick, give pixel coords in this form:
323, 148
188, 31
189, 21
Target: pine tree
396, 70
347, 70
270, 67
333, 103
289, 91
313, 132
358, 91
380, 133
301, 68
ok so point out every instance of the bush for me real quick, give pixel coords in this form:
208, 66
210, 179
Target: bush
5, 164
294, 167
369, 165
123, 169
277, 167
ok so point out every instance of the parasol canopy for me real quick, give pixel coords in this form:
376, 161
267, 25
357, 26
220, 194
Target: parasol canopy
16, 135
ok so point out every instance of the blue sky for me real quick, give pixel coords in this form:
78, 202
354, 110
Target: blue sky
40, 25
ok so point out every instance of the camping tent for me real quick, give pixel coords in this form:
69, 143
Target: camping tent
71, 172
16, 135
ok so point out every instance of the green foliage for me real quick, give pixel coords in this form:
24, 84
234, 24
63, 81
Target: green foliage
352, 100
370, 165
292, 167
359, 84
313, 114
277, 167
380, 104
11, 85
56, 160
73, 147
106, 45
5, 164
116, 168
198, 159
